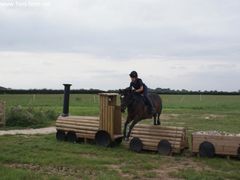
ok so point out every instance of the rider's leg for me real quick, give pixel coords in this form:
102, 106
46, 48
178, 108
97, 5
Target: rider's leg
149, 103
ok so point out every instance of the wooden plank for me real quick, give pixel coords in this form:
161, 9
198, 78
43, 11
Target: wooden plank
77, 127
157, 137
76, 130
148, 130
78, 118
215, 137
155, 141
110, 120
117, 136
144, 126
223, 150
156, 144
85, 136
220, 143
156, 134
79, 123
157, 129
117, 120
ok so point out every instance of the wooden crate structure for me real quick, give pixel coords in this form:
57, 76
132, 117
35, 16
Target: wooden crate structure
104, 130
2, 113
110, 115
164, 139
207, 144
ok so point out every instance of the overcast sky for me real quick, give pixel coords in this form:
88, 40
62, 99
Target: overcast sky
187, 44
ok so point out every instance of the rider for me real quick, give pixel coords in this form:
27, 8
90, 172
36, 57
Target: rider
139, 87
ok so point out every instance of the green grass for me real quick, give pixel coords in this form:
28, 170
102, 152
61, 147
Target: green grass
79, 160
42, 157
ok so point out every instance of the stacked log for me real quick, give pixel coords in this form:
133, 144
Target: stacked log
83, 126
2, 113
151, 136
223, 143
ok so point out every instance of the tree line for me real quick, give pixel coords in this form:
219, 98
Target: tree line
96, 91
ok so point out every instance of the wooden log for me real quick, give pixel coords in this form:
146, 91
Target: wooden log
152, 127
151, 135
117, 120
156, 144
78, 123
78, 118
76, 130
77, 127
156, 141
85, 127
156, 134
177, 139
149, 130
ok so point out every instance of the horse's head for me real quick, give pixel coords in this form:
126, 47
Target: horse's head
125, 97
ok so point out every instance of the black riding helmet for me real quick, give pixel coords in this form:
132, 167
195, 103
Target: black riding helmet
133, 74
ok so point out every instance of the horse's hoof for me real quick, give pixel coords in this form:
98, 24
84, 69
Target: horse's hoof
158, 123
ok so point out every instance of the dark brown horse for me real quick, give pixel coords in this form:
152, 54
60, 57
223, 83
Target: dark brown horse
137, 108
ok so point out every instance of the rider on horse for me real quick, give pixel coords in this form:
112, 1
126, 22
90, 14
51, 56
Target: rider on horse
138, 86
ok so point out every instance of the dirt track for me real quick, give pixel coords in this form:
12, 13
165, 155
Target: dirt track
47, 130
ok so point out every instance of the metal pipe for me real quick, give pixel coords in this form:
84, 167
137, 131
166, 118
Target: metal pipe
66, 100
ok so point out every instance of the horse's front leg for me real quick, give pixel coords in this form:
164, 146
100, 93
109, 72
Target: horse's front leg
125, 126
135, 121
154, 119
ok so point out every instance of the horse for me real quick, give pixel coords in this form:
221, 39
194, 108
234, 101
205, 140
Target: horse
137, 108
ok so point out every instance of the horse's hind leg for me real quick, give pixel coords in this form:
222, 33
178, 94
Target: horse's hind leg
158, 120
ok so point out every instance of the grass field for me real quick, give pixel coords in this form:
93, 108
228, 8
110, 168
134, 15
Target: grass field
42, 157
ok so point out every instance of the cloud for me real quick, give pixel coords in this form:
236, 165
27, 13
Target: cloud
95, 44
122, 29
51, 70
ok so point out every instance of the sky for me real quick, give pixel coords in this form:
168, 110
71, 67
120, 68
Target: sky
187, 44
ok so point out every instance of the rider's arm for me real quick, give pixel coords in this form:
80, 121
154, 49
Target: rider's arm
139, 90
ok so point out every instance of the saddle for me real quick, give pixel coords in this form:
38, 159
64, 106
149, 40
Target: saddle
143, 98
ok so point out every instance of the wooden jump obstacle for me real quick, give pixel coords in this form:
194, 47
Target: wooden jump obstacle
163, 139
77, 128
2, 113
211, 143
104, 131
110, 124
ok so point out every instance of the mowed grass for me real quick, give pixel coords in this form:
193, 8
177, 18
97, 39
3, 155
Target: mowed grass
42, 157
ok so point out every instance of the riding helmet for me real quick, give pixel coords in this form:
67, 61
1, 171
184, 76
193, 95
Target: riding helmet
133, 74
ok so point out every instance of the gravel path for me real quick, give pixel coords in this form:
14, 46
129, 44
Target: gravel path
47, 130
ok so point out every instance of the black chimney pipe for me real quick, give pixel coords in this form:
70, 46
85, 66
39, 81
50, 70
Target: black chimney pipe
66, 100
